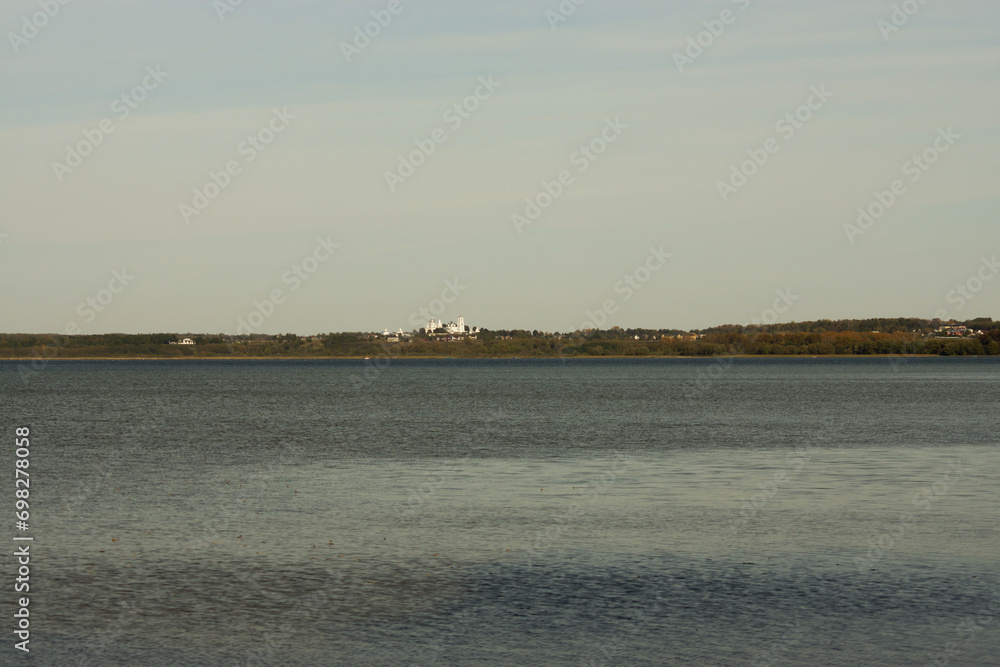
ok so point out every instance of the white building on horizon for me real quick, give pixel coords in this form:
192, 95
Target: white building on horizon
452, 328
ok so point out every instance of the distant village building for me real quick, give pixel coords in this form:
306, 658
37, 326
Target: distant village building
434, 328
184, 341
394, 337
955, 331
437, 328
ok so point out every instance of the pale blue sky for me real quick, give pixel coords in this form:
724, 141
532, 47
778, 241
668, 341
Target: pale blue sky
656, 185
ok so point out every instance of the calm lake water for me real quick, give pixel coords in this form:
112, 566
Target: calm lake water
510, 512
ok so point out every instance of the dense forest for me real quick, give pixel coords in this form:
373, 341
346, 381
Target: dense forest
898, 336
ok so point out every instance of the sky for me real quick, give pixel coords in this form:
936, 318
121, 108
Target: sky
200, 166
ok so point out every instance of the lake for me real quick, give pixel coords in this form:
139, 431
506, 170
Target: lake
830, 511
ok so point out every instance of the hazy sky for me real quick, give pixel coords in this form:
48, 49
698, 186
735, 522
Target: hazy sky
183, 86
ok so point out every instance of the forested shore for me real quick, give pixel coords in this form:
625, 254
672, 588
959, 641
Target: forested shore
900, 336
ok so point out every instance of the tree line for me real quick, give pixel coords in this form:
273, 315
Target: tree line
822, 338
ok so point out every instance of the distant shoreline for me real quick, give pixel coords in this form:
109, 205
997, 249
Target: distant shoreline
897, 337
417, 358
